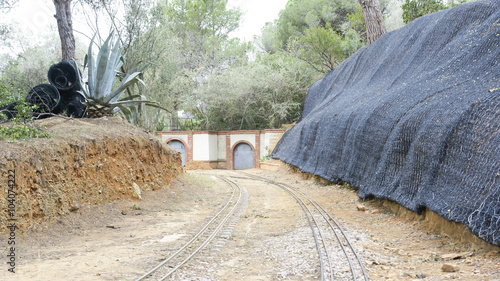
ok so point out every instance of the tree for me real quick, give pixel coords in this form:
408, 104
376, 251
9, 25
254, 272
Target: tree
413, 9
300, 15
4, 32
205, 50
5, 29
267, 40
320, 47
28, 69
65, 27
322, 33
373, 20
262, 94
204, 27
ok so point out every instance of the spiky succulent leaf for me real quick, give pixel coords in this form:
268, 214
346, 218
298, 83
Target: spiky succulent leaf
102, 76
91, 69
127, 112
131, 103
113, 64
128, 81
131, 97
103, 73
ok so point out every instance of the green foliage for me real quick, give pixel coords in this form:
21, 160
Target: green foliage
17, 77
106, 83
351, 42
22, 126
264, 158
300, 15
188, 41
454, 3
5, 93
357, 20
322, 33
29, 69
24, 111
5, 31
268, 42
413, 9
22, 131
134, 207
189, 124
323, 48
203, 27
264, 94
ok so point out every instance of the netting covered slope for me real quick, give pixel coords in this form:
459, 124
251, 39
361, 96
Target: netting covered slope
414, 118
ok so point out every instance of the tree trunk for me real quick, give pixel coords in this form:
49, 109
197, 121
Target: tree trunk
373, 20
173, 125
65, 27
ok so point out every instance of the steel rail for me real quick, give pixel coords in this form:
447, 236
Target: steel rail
313, 223
309, 215
328, 218
214, 233
201, 232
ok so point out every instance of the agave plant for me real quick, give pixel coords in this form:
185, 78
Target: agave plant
106, 83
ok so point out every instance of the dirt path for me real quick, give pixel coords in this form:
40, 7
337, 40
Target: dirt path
270, 241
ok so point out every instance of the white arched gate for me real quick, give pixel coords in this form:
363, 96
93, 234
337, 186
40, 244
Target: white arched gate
179, 146
243, 157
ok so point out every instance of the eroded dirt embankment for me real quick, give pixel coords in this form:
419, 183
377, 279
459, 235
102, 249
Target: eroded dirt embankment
84, 162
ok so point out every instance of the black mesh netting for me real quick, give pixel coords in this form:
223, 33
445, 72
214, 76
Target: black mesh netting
414, 118
45, 96
62, 95
65, 76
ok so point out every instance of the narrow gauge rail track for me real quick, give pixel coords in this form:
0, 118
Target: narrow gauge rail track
328, 235
201, 239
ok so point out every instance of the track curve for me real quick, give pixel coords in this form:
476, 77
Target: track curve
201, 239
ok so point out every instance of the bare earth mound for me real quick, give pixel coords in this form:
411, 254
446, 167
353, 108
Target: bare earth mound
197, 165
84, 162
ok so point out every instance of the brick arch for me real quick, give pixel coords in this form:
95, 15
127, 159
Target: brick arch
231, 154
176, 139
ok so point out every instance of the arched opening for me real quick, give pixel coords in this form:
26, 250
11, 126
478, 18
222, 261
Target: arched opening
243, 157
179, 146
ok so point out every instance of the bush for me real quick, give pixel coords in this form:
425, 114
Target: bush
413, 9
22, 126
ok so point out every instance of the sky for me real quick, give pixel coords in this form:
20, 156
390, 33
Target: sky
32, 16
34, 19
255, 14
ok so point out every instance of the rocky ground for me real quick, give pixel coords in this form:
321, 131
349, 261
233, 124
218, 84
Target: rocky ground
270, 241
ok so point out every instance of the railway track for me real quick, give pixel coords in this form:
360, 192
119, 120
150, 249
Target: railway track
203, 237
327, 233
332, 244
